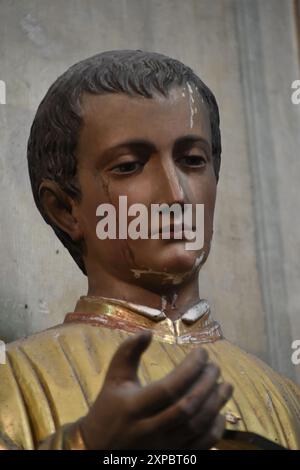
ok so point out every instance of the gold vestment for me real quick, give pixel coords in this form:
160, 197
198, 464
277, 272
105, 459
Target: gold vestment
50, 379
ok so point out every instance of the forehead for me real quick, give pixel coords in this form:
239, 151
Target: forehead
113, 117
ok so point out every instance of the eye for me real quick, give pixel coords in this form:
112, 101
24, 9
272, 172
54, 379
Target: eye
127, 168
193, 161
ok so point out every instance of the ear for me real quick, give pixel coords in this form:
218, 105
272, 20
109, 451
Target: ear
60, 209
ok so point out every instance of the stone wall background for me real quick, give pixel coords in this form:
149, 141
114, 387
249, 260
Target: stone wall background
247, 51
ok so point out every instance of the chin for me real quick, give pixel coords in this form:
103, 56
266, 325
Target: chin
173, 258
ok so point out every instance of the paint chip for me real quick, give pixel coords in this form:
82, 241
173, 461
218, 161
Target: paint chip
231, 417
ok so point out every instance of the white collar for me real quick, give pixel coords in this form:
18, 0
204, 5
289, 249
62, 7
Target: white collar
190, 316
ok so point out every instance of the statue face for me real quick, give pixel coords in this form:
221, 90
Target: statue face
153, 151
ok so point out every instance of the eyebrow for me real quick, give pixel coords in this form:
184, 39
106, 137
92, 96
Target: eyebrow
192, 139
188, 140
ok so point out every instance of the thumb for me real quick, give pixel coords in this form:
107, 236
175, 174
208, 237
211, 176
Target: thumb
125, 362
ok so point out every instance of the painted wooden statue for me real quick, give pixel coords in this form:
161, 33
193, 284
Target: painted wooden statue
140, 363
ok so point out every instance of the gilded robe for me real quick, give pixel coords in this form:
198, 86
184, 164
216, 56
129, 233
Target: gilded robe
50, 379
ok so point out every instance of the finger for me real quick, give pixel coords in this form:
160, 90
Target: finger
193, 401
163, 393
210, 409
211, 438
179, 413
125, 362
190, 417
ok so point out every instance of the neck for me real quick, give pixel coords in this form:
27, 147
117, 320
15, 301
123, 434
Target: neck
174, 300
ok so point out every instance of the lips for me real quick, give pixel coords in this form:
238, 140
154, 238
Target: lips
175, 229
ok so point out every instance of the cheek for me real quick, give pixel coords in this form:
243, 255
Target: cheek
138, 191
209, 208
211, 200
204, 192
93, 194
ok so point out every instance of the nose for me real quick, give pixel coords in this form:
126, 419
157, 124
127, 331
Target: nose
169, 183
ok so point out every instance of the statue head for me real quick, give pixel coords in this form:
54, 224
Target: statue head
124, 122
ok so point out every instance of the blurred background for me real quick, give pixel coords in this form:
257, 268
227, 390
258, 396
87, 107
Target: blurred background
247, 51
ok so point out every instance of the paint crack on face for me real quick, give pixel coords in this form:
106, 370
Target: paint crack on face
126, 250
199, 260
191, 102
174, 278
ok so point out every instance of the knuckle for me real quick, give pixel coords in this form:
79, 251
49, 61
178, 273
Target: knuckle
189, 405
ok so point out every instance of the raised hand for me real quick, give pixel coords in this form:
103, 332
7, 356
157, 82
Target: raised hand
180, 411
